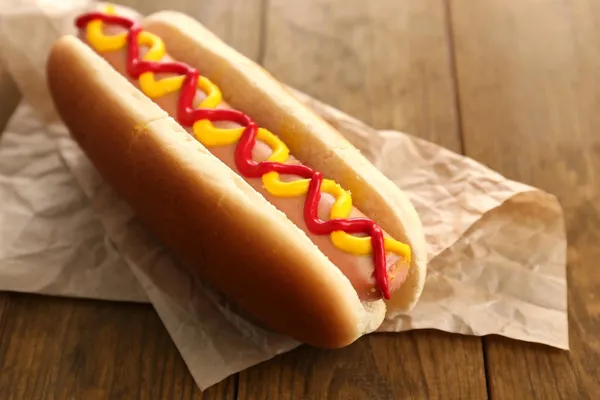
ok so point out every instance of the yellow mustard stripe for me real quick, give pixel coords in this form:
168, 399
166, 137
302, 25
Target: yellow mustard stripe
205, 132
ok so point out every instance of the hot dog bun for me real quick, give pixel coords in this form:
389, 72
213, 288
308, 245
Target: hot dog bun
211, 217
247, 86
201, 209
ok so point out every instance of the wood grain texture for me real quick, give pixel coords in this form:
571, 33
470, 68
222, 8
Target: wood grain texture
528, 74
4, 301
394, 74
430, 365
386, 63
66, 349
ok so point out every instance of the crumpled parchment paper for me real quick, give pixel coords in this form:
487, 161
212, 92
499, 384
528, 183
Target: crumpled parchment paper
497, 248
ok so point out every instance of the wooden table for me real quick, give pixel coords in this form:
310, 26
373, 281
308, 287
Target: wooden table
514, 84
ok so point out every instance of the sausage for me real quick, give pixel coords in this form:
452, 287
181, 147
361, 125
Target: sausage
357, 268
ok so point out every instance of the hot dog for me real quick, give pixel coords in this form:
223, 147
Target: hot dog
257, 194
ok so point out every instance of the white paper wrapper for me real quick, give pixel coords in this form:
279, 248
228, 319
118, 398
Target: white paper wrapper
497, 248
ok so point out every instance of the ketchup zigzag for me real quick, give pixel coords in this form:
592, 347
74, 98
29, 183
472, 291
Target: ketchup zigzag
187, 115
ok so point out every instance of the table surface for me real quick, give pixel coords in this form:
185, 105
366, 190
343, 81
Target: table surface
513, 84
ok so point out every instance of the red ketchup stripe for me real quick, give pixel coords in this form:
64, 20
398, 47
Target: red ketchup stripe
187, 115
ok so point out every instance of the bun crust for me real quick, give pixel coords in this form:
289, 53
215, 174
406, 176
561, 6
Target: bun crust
248, 87
203, 211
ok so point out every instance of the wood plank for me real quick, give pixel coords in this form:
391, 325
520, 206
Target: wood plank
426, 364
393, 73
528, 76
385, 63
62, 348
4, 300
